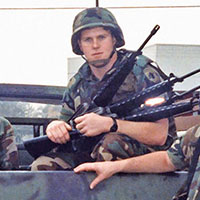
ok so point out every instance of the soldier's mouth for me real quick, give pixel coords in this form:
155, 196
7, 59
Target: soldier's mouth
97, 54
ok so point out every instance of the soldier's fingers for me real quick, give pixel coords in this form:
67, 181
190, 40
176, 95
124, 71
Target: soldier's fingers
79, 126
63, 134
61, 140
51, 136
58, 140
90, 167
96, 181
84, 167
83, 131
79, 119
68, 127
82, 128
56, 135
80, 168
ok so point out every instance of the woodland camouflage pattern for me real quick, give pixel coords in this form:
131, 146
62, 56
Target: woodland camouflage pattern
82, 87
8, 148
181, 153
93, 17
194, 192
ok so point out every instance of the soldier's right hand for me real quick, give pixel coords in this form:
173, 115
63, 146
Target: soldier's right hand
58, 131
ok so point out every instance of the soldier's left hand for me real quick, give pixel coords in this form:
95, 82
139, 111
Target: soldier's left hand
92, 124
104, 170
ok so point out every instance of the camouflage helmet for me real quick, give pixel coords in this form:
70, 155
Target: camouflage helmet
93, 17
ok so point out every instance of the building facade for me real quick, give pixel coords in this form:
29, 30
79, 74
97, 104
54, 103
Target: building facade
172, 58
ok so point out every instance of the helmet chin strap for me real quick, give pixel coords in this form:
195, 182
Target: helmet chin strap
100, 63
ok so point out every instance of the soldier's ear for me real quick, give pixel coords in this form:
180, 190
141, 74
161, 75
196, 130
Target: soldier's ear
80, 45
114, 41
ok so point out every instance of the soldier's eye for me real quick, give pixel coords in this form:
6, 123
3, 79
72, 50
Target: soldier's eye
87, 40
101, 37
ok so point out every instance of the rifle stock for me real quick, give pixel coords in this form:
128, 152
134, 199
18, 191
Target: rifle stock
41, 145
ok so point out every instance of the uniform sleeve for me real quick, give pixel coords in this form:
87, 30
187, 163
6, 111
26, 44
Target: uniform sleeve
182, 150
9, 154
67, 109
176, 155
146, 73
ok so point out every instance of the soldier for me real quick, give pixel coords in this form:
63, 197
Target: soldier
96, 37
8, 148
178, 157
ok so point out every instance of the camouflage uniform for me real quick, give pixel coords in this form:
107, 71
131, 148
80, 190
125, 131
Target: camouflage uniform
8, 148
84, 85
112, 146
181, 154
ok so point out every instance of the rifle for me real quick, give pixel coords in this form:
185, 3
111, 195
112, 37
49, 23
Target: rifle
153, 114
103, 96
108, 90
41, 145
139, 98
123, 107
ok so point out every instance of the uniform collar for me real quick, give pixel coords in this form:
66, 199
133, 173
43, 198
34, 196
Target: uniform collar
86, 73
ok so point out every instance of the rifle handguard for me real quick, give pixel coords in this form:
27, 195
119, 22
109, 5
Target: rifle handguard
156, 113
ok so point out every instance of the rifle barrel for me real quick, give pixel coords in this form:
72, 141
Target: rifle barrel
189, 74
155, 113
153, 32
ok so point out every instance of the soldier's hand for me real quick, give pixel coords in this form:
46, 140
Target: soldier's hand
103, 170
92, 124
57, 131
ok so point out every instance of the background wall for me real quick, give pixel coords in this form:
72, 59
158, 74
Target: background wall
35, 35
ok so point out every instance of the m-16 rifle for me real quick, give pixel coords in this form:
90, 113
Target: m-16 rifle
105, 94
101, 99
41, 145
152, 114
139, 98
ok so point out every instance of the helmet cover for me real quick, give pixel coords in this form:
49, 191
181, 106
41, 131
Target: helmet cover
95, 17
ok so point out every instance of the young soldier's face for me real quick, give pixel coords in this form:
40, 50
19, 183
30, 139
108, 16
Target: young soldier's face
97, 45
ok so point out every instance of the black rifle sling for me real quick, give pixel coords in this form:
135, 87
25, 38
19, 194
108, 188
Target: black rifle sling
109, 89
